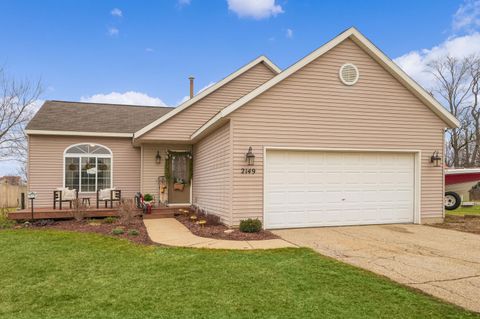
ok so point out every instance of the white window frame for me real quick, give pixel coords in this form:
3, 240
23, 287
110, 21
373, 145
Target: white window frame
87, 155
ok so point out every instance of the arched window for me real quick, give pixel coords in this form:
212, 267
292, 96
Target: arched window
88, 167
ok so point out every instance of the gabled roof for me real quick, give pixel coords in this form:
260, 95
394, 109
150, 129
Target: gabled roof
366, 45
92, 119
206, 92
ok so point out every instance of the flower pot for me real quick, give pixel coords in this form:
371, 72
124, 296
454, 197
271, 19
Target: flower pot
150, 203
178, 187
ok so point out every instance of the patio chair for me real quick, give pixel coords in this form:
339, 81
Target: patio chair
108, 195
64, 194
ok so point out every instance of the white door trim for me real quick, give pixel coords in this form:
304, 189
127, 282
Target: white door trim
417, 174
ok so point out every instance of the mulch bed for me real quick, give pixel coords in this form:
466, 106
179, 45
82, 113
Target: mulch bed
99, 226
218, 231
467, 223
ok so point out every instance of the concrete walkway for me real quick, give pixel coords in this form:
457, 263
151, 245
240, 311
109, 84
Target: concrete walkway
169, 231
443, 263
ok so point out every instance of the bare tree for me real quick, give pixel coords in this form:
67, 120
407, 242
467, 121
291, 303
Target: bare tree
453, 79
17, 100
475, 108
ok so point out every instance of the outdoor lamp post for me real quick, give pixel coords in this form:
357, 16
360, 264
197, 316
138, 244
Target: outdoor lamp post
31, 196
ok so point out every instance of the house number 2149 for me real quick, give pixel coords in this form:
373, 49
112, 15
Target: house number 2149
248, 171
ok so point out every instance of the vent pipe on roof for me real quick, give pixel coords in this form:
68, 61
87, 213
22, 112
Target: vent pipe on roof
191, 78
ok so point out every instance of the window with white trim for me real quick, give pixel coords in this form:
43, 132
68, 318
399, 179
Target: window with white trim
88, 167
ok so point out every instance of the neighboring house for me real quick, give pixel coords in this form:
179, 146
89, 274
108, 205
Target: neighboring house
342, 137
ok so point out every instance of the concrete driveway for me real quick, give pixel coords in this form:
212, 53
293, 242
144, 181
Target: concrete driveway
443, 263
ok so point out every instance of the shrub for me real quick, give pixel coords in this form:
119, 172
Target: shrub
5, 222
212, 219
109, 220
79, 209
148, 197
118, 231
127, 210
133, 232
201, 214
250, 225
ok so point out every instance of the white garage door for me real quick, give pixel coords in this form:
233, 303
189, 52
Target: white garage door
310, 188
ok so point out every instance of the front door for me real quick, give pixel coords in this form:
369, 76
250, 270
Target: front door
179, 185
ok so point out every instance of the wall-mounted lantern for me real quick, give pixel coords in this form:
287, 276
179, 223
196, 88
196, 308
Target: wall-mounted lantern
435, 159
250, 157
158, 158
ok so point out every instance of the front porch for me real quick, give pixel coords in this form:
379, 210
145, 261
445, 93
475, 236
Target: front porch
67, 213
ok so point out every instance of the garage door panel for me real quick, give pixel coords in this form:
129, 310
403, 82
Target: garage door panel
297, 178
292, 218
309, 188
277, 197
315, 178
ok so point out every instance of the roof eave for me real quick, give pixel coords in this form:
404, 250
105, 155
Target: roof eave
370, 48
213, 88
77, 133
404, 78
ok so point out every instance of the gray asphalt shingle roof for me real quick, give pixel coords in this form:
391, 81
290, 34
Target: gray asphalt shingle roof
94, 117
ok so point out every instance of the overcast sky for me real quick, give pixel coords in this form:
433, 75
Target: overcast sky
142, 52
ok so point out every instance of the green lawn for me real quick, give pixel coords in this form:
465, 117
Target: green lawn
53, 274
475, 210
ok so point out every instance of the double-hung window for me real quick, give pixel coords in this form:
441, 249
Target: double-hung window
88, 167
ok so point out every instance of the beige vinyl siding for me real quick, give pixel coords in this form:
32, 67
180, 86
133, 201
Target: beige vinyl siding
151, 170
313, 109
46, 165
212, 173
182, 125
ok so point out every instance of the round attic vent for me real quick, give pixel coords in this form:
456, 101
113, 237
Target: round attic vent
349, 74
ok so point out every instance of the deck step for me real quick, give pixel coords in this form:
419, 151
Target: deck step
159, 215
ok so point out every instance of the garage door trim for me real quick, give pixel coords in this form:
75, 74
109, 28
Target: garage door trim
417, 170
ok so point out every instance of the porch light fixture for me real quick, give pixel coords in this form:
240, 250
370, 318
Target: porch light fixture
435, 159
250, 157
158, 158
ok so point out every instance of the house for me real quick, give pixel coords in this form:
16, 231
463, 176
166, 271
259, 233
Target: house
342, 137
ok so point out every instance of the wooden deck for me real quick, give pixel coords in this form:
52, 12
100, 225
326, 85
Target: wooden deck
50, 213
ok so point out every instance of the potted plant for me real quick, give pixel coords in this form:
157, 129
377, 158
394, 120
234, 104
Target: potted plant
148, 199
179, 184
